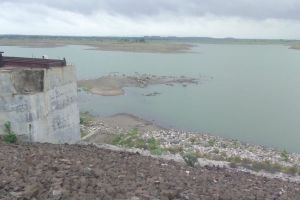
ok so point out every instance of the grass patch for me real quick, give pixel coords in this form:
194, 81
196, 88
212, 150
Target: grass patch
85, 88
237, 161
86, 118
266, 165
83, 133
133, 139
175, 149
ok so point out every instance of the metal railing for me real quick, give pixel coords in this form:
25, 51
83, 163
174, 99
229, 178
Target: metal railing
30, 62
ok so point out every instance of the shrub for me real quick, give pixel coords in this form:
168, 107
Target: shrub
285, 156
193, 140
236, 144
9, 137
134, 139
190, 158
154, 146
86, 118
212, 142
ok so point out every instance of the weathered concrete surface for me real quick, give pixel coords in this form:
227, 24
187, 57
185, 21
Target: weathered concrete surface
41, 104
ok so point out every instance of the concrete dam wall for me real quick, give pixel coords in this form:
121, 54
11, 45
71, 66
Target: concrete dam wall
40, 103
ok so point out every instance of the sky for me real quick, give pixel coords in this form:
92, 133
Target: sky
270, 19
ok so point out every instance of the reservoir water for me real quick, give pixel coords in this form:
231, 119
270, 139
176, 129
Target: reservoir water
253, 95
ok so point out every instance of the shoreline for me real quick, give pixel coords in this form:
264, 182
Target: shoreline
210, 150
134, 45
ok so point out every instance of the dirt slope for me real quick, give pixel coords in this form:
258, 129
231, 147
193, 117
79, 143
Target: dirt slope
44, 171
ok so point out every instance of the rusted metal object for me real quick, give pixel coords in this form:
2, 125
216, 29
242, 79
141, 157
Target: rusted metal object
30, 62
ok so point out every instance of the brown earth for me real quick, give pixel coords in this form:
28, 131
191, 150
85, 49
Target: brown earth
45, 171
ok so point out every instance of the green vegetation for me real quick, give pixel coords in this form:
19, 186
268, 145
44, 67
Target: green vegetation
292, 170
85, 88
285, 156
266, 165
190, 158
193, 140
85, 119
133, 139
236, 144
237, 161
9, 137
212, 142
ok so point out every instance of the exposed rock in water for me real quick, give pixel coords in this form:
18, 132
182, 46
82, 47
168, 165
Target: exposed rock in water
152, 94
112, 85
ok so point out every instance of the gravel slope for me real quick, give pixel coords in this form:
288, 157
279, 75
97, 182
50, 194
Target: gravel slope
45, 171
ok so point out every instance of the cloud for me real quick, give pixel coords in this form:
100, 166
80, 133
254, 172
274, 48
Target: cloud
287, 9
213, 18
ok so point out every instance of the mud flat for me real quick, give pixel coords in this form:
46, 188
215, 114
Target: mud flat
113, 85
210, 150
295, 46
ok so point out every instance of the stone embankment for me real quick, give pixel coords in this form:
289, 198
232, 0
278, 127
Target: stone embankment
209, 150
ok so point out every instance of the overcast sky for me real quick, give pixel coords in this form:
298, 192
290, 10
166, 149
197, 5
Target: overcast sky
203, 18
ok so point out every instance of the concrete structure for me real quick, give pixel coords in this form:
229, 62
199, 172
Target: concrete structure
39, 98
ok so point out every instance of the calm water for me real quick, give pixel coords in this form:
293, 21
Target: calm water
254, 95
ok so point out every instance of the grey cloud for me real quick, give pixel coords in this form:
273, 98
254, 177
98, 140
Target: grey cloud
256, 9
212, 18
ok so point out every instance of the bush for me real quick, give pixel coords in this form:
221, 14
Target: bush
190, 158
212, 142
285, 156
9, 137
86, 118
134, 139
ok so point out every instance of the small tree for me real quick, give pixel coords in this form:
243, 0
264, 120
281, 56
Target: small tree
10, 136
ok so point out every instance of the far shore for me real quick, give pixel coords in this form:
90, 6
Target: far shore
137, 45
133, 44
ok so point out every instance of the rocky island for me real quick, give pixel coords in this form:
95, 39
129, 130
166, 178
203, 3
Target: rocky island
113, 85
